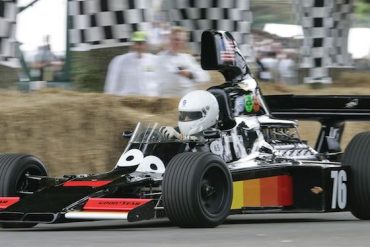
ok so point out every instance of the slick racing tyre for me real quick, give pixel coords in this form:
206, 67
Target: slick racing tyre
357, 156
197, 190
13, 171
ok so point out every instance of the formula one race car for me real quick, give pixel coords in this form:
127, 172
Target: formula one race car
249, 162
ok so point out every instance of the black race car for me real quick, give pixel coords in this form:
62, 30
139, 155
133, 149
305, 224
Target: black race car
251, 162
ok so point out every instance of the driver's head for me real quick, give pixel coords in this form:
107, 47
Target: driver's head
198, 110
139, 42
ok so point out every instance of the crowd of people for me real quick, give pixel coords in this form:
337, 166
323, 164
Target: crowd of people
276, 64
277, 69
157, 65
169, 72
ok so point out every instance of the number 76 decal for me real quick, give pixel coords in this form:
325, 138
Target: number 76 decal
339, 197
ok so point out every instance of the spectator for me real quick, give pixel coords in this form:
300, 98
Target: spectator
158, 34
43, 58
179, 72
288, 70
133, 73
270, 64
260, 67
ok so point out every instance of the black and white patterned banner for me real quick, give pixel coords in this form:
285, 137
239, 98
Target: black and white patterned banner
8, 13
106, 23
230, 15
325, 26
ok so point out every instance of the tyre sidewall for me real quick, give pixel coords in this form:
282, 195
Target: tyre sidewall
15, 168
357, 156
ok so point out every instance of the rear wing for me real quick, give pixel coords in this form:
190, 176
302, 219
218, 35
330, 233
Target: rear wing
330, 110
323, 108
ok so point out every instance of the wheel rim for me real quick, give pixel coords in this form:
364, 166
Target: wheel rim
213, 190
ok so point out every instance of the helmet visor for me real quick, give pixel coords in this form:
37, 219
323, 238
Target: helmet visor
187, 116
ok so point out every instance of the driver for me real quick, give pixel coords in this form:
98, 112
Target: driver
198, 110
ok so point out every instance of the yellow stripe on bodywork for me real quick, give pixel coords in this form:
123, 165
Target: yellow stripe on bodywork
238, 195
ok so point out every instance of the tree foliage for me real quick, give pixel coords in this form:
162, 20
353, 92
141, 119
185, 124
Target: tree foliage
363, 7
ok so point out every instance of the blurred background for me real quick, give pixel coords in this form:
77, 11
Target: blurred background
54, 56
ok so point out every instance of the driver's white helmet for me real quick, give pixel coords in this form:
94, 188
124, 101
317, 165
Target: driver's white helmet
198, 110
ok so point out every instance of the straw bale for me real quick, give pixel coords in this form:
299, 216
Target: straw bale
74, 132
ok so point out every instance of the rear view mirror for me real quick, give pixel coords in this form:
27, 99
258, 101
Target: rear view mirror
127, 134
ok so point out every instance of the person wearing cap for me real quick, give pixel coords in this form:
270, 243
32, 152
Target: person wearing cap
133, 73
179, 72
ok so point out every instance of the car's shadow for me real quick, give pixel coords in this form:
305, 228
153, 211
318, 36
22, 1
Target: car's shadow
285, 220
165, 223
97, 226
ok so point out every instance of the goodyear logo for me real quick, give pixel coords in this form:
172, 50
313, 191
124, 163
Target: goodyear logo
120, 203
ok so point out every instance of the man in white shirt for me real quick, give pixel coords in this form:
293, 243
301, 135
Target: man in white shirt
270, 64
288, 70
179, 72
134, 73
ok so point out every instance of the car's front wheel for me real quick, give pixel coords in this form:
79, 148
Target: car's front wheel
14, 169
197, 190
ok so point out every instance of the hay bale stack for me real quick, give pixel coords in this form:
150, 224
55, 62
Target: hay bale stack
81, 132
74, 132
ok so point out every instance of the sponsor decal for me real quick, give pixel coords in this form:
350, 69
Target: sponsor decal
93, 183
316, 190
353, 103
114, 204
249, 103
7, 201
256, 105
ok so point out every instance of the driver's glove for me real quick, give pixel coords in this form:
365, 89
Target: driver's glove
170, 132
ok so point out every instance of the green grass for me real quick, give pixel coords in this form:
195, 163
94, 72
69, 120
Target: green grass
8, 77
89, 68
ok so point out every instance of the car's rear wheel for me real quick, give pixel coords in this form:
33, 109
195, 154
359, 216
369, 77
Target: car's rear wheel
357, 156
197, 190
14, 169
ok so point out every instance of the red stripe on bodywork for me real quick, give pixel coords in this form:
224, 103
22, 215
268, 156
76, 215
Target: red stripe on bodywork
7, 201
74, 183
276, 191
285, 195
114, 204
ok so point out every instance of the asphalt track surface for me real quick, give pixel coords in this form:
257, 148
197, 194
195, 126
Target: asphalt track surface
298, 230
